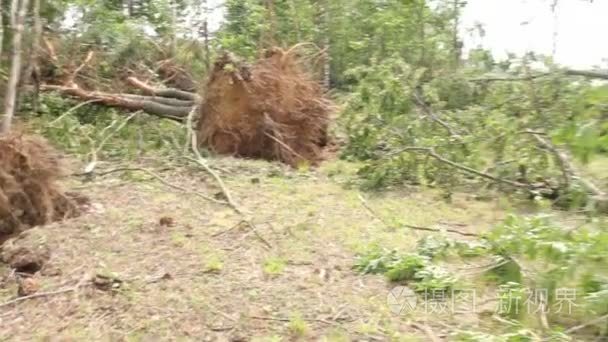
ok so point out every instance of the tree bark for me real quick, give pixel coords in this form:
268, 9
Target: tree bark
169, 92
33, 71
149, 104
599, 74
13, 81
13, 13
1, 36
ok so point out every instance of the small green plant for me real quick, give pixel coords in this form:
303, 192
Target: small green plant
433, 245
434, 278
214, 264
375, 261
274, 266
407, 267
298, 326
178, 239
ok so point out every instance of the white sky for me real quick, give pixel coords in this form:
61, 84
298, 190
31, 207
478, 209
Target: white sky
520, 26
581, 26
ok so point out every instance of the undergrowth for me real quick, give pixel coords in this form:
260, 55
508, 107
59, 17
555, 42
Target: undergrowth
533, 261
84, 130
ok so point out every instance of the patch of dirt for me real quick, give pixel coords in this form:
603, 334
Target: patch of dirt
25, 259
272, 110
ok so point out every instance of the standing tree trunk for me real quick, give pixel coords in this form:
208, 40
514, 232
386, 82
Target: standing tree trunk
130, 8
456, 43
322, 22
1, 36
173, 33
326, 46
32, 72
13, 81
13, 12
206, 38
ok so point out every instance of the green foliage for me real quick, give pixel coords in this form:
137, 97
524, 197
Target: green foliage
527, 253
245, 22
412, 267
395, 113
407, 267
274, 266
298, 326
82, 131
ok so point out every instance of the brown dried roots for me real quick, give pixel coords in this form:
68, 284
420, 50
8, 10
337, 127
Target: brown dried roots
29, 195
272, 110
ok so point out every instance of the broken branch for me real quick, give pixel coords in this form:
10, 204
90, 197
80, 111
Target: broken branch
149, 105
169, 92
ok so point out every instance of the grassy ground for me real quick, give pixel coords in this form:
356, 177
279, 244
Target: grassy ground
207, 277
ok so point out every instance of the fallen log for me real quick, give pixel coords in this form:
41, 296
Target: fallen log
168, 92
159, 99
594, 74
166, 108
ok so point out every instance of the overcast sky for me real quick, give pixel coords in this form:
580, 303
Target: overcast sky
527, 25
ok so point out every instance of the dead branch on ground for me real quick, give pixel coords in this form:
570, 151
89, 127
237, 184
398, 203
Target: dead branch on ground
168, 108
409, 226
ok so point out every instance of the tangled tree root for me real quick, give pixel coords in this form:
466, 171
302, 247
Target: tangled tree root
29, 195
272, 110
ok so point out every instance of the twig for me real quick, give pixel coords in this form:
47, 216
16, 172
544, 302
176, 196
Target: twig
203, 163
72, 110
163, 181
431, 152
225, 191
253, 229
42, 294
284, 145
568, 170
586, 324
409, 226
281, 319
189, 130
429, 112
86, 61
95, 151
259, 236
562, 159
544, 322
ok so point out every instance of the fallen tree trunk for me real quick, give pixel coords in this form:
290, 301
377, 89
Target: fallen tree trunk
159, 99
174, 109
169, 92
597, 74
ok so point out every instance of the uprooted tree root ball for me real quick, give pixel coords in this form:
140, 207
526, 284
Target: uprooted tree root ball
272, 110
29, 194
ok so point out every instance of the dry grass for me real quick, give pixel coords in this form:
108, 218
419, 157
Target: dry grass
205, 277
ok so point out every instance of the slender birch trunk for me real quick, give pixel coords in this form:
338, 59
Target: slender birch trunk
13, 81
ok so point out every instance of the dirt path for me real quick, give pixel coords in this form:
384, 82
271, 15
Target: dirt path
207, 277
